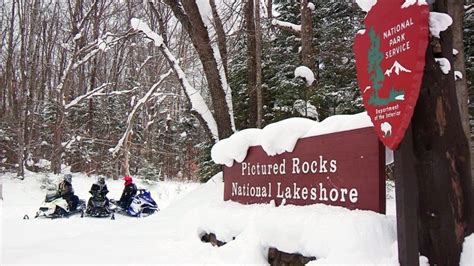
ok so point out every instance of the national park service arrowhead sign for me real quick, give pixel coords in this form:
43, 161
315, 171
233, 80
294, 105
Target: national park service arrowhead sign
390, 58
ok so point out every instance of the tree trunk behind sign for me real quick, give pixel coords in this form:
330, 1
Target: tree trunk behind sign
442, 159
251, 42
187, 12
258, 64
308, 56
456, 11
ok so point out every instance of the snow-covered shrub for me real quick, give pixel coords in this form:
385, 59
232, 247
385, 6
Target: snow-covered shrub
48, 182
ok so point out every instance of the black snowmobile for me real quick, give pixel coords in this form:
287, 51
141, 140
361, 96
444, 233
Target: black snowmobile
98, 204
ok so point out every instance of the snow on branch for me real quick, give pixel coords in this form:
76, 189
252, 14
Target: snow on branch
197, 101
87, 95
139, 25
102, 44
137, 105
85, 58
305, 73
206, 12
468, 9
113, 92
76, 59
287, 26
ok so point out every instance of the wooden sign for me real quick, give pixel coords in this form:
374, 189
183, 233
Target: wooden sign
343, 169
390, 58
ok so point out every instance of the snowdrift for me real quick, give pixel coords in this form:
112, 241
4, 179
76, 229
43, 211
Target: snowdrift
333, 235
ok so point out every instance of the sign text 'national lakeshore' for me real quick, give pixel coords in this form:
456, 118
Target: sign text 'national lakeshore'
342, 169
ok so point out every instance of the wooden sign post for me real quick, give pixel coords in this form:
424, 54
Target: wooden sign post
406, 191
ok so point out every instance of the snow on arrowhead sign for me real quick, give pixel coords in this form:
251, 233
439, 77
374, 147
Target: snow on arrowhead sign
390, 58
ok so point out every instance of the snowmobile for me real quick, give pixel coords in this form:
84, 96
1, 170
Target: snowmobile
54, 206
98, 207
142, 205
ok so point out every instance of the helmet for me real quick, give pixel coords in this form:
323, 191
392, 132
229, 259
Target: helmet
128, 179
67, 178
101, 180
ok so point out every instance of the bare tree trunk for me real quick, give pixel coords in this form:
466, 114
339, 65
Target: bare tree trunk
9, 75
456, 11
161, 23
270, 9
191, 20
125, 162
5, 74
57, 137
21, 116
307, 51
31, 127
32, 64
442, 160
8, 78
93, 75
221, 40
249, 16
258, 64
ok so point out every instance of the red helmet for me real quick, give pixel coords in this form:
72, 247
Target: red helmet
128, 180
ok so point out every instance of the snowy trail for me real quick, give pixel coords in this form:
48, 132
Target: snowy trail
333, 234
87, 240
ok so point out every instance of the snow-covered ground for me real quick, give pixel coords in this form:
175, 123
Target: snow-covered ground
333, 235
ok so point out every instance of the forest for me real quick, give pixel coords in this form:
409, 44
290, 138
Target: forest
146, 88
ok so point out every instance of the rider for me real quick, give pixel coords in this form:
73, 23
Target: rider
129, 191
99, 189
66, 192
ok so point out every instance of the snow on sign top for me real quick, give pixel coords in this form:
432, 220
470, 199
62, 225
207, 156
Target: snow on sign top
282, 136
390, 57
366, 5
412, 2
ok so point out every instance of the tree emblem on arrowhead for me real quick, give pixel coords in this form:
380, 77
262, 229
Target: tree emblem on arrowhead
377, 76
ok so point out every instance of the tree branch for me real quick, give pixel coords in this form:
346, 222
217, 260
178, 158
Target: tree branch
293, 28
87, 95
131, 116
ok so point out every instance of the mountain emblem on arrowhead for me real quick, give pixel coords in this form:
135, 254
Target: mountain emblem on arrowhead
397, 67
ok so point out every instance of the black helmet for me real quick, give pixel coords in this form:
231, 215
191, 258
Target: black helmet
101, 180
67, 178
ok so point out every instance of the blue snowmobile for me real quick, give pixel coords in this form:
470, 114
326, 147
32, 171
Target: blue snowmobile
142, 205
